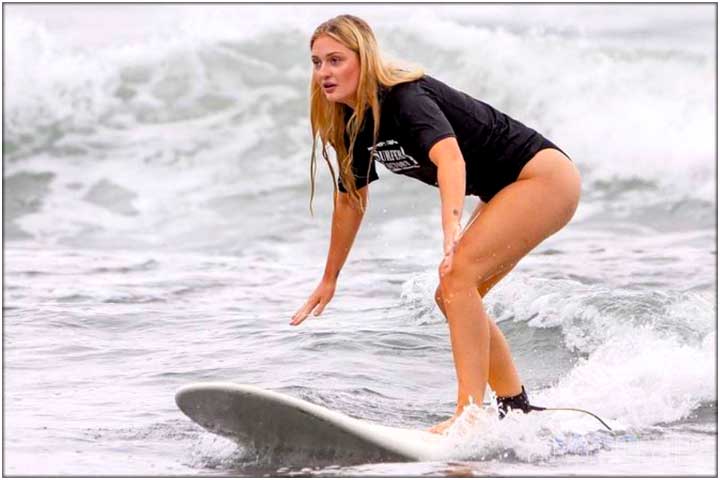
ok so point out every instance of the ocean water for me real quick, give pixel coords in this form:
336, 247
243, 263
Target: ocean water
157, 233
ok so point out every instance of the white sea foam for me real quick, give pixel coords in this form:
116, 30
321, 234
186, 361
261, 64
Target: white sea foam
633, 383
645, 356
213, 101
185, 128
640, 379
616, 109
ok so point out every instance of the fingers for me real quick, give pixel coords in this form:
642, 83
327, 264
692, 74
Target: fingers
298, 318
316, 303
302, 314
446, 263
450, 247
320, 307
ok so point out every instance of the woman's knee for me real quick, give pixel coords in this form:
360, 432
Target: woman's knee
439, 299
461, 276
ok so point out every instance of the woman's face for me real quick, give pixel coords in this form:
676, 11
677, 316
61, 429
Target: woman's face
336, 69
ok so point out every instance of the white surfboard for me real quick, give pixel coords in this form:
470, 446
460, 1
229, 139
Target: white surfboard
278, 426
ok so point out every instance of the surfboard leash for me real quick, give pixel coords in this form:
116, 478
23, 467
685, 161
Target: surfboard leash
545, 409
521, 402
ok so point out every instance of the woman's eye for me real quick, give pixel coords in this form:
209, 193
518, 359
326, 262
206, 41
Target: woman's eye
334, 61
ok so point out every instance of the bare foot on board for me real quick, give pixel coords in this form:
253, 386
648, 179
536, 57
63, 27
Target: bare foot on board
442, 427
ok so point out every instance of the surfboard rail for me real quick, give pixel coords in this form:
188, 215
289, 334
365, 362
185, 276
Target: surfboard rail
276, 422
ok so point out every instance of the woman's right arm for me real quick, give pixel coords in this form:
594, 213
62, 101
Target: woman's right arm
346, 221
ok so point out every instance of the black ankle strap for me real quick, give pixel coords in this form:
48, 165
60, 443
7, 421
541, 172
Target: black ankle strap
517, 402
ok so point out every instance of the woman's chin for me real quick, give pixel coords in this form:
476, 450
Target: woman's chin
334, 98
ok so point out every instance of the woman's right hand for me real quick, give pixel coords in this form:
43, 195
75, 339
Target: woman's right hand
317, 301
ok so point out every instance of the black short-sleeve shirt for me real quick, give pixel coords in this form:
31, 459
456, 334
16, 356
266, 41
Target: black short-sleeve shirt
418, 114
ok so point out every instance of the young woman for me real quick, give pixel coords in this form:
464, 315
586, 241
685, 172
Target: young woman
417, 126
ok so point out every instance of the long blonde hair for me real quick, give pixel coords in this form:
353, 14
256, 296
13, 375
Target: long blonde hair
327, 119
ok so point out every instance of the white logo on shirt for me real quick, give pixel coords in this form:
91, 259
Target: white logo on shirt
391, 154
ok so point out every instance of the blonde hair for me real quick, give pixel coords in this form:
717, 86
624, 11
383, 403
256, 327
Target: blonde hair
327, 119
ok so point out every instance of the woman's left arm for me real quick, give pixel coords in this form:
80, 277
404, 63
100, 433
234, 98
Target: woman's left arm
447, 156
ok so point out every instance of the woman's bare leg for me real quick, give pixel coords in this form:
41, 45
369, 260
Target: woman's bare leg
517, 219
502, 376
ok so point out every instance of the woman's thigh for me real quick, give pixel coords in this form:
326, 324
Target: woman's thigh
517, 219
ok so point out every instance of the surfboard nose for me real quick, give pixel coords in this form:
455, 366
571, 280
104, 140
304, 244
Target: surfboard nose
281, 428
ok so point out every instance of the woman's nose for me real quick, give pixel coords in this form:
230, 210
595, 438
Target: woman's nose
323, 71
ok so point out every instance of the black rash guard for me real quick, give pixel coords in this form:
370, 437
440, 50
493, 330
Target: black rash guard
416, 115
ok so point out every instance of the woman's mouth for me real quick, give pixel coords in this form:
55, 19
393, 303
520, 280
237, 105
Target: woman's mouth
329, 87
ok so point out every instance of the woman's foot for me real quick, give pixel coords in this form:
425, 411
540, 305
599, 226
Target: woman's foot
441, 428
